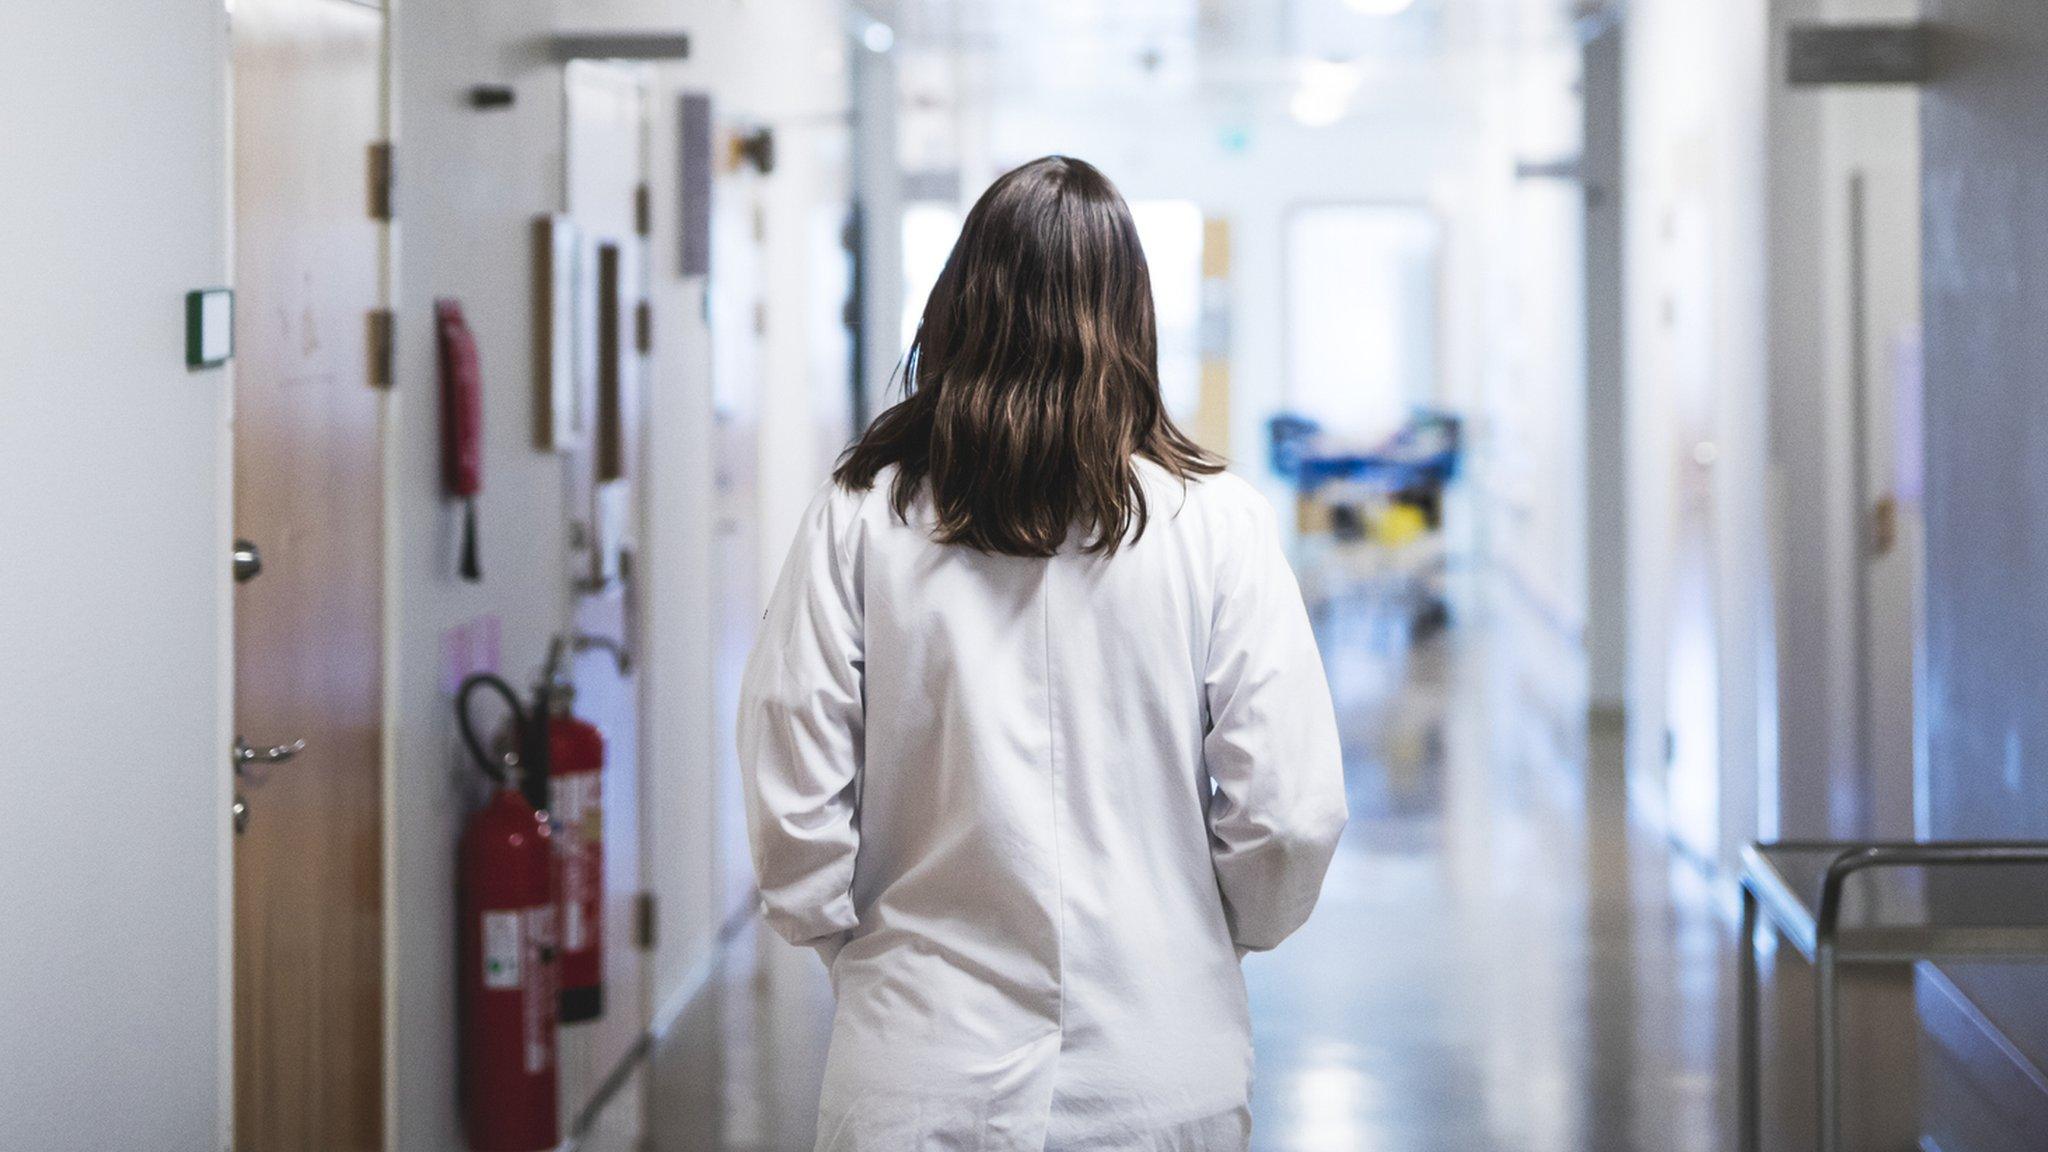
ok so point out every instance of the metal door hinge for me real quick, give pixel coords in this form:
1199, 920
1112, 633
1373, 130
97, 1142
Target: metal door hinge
643, 210
643, 327
382, 330
643, 921
1884, 525
381, 176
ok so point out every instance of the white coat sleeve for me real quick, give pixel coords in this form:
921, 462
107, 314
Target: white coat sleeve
800, 734
1271, 748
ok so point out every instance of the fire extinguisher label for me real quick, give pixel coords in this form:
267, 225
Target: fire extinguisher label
576, 937
503, 949
540, 992
576, 805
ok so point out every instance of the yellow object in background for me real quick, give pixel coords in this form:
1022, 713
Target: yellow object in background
1212, 405
1311, 515
1398, 524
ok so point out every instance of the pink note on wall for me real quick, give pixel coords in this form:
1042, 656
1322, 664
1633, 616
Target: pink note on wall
467, 649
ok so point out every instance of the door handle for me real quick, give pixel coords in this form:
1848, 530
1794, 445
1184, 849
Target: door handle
248, 561
246, 754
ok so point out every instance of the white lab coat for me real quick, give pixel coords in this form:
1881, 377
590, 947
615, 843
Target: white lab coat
981, 787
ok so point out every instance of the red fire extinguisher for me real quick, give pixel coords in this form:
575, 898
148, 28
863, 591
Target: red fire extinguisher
510, 887
576, 800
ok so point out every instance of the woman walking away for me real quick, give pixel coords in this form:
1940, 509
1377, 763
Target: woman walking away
1036, 741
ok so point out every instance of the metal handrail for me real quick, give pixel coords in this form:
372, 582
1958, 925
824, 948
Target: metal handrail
1913, 854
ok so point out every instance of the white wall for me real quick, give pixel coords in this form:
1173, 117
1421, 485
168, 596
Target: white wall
878, 177
692, 799
803, 411
471, 182
1695, 167
1525, 338
114, 572
676, 597
1715, 135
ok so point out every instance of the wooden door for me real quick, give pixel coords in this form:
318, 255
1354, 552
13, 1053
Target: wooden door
309, 950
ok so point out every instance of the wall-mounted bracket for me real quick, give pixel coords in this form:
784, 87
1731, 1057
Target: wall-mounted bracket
1568, 168
381, 172
1831, 54
568, 46
381, 340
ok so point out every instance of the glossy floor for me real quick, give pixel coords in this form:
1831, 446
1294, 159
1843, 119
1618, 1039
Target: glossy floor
1499, 961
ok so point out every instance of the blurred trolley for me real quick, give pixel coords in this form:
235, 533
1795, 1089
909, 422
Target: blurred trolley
1371, 517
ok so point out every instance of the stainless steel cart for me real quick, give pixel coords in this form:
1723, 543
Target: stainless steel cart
1800, 888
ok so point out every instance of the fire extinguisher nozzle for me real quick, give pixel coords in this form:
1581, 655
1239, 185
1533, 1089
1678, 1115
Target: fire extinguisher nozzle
472, 569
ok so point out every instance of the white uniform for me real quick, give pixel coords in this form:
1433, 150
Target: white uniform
981, 787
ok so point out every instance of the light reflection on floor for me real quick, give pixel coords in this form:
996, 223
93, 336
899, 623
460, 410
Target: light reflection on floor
1498, 962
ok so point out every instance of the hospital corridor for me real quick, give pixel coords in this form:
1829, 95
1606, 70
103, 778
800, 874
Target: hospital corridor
1024, 576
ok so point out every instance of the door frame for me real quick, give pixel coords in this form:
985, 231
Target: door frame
388, 297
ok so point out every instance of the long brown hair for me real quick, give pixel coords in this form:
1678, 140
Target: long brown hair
1034, 378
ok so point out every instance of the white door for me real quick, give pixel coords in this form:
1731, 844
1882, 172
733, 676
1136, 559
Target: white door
605, 169
113, 578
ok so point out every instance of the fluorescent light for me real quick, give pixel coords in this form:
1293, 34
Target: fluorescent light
1324, 94
1380, 7
1316, 109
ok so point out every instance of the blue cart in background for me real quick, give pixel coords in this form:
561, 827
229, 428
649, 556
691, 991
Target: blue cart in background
1372, 515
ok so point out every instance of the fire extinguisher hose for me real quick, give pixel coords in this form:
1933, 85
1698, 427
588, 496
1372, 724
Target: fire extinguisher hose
492, 767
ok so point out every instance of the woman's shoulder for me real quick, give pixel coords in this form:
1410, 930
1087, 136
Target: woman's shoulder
1218, 498
1229, 490
851, 503
854, 513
